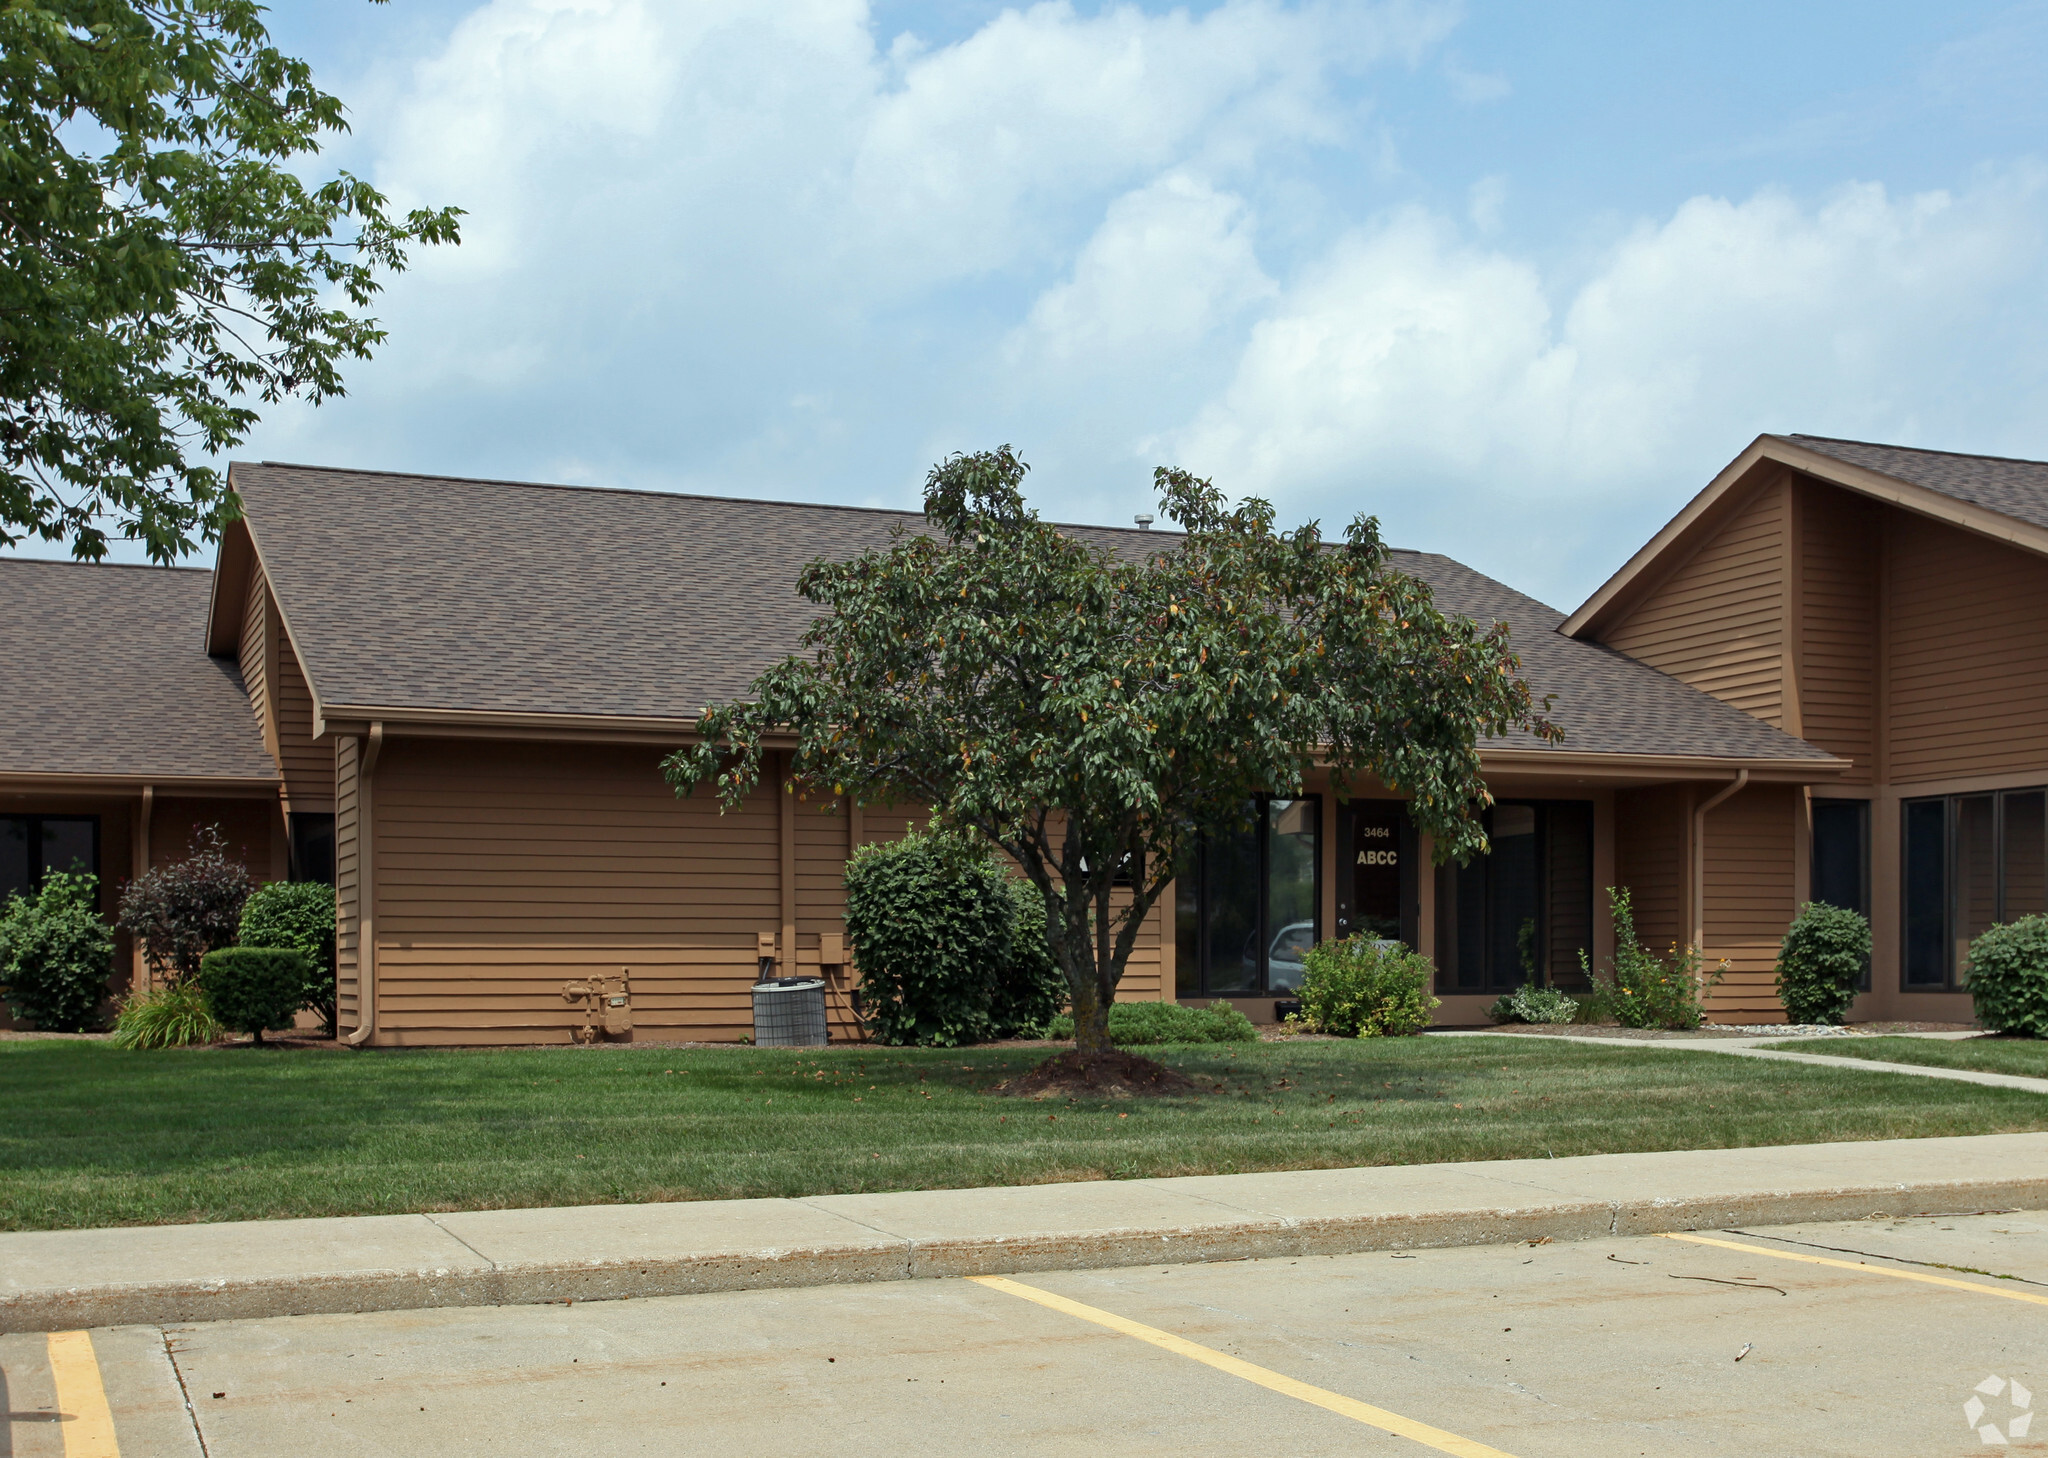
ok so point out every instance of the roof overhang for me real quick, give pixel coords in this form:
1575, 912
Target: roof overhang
1690, 528
221, 786
1660, 767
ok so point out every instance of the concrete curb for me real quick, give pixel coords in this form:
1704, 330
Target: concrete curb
1035, 1228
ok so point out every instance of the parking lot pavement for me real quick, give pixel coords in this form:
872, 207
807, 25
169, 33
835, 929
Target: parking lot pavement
1869, 1339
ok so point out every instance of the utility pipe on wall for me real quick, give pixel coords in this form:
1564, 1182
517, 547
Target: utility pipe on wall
1699, 857
366, 895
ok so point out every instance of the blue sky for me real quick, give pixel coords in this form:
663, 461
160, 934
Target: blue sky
1517, 279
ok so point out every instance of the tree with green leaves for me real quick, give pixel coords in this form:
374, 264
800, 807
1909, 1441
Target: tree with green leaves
1091, 708
162, 262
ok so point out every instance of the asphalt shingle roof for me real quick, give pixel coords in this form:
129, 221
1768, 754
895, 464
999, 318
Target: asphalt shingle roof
2018, 489
413, 592
104, 675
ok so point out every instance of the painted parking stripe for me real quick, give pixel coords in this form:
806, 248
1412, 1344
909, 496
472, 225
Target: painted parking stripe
1377, 1417
88, 1425
1814, 1260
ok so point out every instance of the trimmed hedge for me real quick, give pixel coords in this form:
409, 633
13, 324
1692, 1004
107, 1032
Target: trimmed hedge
1144, 1024
1363, 988
253, 988
2009, 977
1824, 955
299, 915
56, 954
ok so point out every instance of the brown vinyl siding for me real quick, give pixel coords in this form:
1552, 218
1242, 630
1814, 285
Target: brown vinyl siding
1838, 604
1750, 846
1968, 661
1650, 859
255, 629
504, 870
307, 763
1717, 621
347, 881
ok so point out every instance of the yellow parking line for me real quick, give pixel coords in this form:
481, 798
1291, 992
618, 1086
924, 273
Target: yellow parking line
1814, 1260
88, 1425
1377, 1417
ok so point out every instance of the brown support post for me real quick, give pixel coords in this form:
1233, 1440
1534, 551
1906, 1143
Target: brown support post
786, 799
139, 860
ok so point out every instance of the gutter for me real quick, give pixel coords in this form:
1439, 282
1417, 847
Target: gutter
1699, 856
366, 893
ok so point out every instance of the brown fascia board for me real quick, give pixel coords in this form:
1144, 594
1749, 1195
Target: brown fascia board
172, 785
1680, 534
1665, 766
231, 563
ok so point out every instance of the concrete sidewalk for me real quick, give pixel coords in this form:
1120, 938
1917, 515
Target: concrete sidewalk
62, 1280
1755, 1048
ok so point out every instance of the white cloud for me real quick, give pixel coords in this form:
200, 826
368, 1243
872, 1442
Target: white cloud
1413, 371
1171, 263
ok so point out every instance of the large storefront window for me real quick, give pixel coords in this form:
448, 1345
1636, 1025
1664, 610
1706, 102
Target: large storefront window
31, 845
1523, 912
1246, 910
1969, 863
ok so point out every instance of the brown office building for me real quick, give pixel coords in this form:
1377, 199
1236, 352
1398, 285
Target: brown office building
1826, 679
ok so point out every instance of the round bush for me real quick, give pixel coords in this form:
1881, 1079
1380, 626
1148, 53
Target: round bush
931, 921
1823, 957
253, 988
56, 954
1532, 1004
1029, 988
2009, 977
1362, 988
298, 915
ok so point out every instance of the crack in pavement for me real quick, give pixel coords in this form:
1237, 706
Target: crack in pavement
1880, 1256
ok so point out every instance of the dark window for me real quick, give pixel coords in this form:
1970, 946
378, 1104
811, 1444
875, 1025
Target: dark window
31, 845
1524, 911
312, 847
1970, 862
1926, 893
1841, 858
1246, 908
1841, 854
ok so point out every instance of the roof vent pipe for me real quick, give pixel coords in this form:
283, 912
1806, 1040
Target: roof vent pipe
1144, 521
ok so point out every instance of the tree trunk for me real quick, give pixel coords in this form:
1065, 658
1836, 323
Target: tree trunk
1091, 1020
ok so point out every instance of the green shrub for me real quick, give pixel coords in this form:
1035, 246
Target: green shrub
932, 920
1639, 989
1363, 988
180, 912
168, 1017
1142, 1024
56, 954
1824, 955
253, 988
1532, 1004
2009, 977
1029, 988
299, 915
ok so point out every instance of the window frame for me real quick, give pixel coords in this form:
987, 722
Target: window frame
38, 868
1953, 979
1196, 871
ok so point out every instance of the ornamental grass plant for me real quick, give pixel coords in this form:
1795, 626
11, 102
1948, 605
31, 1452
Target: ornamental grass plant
1639, 989
166, 1017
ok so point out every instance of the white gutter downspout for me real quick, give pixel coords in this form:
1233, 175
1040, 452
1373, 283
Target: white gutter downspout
366, 895
1699, 857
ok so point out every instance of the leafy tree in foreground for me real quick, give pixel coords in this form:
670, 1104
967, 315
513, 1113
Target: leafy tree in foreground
161, 260
1091, 713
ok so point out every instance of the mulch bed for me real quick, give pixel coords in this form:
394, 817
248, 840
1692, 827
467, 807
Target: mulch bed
1117, 1075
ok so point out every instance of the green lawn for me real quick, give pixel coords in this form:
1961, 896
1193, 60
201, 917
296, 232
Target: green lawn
94, 1136
1987, 1054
